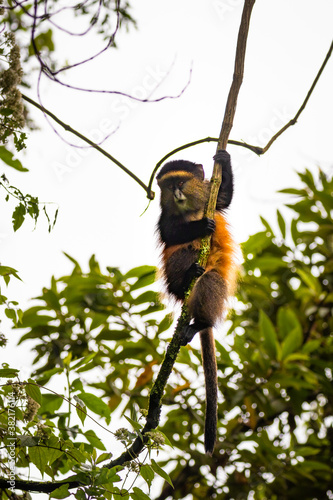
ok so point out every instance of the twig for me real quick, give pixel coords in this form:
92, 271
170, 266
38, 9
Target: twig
308, 95
68, 128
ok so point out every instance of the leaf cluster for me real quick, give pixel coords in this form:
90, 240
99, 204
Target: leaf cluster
87, 323
43, 22
28, 204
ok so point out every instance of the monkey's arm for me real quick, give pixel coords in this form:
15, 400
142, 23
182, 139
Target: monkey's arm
175, 233
226, 190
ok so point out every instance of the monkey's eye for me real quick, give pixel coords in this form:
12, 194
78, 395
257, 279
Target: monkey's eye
180, 184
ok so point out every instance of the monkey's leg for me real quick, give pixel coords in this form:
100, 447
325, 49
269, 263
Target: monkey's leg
180, 269
206, 304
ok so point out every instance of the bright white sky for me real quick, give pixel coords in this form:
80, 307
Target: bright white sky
99, 205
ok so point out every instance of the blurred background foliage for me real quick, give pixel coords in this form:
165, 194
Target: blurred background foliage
106, 334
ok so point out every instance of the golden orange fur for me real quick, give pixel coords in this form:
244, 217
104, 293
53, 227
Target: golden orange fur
221, 256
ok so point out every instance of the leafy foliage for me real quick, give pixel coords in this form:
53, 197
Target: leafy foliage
28, 205
12, 311
86, 324
42, 21
97, 331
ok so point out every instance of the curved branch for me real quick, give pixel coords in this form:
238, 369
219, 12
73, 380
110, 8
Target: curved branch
256, 149
68, 128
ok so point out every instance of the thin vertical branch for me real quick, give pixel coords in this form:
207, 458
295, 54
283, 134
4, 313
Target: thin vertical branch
231, 105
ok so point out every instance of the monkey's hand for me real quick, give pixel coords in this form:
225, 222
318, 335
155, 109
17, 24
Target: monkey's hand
209, 226
222, 157
195, 271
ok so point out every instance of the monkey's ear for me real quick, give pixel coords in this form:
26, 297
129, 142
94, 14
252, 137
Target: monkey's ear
199, 172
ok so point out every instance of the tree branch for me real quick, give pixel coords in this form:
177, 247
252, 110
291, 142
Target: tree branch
228, 120
68, 128
308, 95
256, 149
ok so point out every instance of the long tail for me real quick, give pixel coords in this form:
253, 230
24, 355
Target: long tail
210, 371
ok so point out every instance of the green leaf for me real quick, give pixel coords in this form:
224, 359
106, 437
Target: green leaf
266, 262
11, 314
108, 476
42, 41
267, 226
61, 492
103, 457
8, 158
165, 324
33, 391
51, 403
147, 473
135, 425
311, 281
149, 296
256, 243
18, 216
315, 465
94, 440
292, 342
287, 320
117, 335
306, 451
83, 361
138, 272
161, 472
80, 495
145, 280
294, 231
7, 271
311, 346
282, 224
39, 457
95, 404
28, 440
297, 192
268, 332
81, 411
77, 268
54, 451
308, 179
139, 494
8, 372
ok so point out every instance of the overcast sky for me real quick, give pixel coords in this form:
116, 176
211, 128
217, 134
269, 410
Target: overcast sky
100, 207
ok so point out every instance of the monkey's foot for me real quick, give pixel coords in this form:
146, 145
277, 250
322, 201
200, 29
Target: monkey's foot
187, 334
190, 330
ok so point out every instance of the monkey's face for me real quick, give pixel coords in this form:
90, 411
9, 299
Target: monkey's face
181, 193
